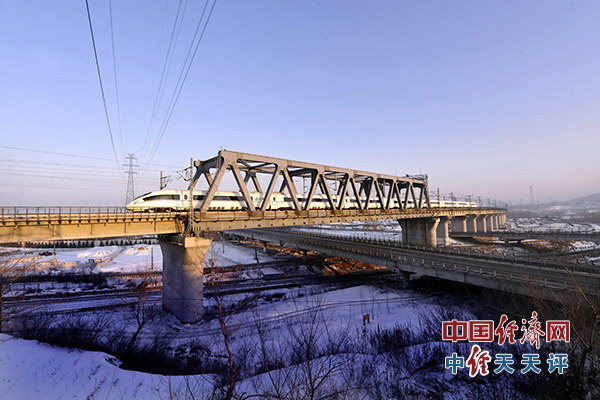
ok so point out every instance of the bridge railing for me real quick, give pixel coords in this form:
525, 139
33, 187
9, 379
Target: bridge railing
396, 243
77, 213
545, 232
53, 212
579, 277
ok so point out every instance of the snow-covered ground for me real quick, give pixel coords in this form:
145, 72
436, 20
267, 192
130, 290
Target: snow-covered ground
131, 258
276, 320
32, 370
549, 223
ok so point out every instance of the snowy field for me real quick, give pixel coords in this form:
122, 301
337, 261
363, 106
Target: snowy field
69, 373
274, 318
347, 328
550, 224
125, 259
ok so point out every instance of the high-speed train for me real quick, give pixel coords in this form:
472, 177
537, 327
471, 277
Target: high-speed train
178, 200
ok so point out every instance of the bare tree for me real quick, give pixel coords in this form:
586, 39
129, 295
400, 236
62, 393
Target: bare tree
11, 270
306, 360
143, 314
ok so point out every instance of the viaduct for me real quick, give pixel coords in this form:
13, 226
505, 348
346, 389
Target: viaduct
377, 196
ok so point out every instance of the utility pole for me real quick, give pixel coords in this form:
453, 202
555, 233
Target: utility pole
130, 173
531, 197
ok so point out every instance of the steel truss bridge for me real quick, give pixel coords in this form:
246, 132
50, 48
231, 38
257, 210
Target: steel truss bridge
21, 224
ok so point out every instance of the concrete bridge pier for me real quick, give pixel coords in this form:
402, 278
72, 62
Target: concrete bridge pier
443, 231
420, 231
495, 222
405, 279
183, 274
431, 225
304, 256
459, 224
489, 224
482, 224
412, 232
472, 223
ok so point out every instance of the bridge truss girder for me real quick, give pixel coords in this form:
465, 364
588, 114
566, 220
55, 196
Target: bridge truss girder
348, 183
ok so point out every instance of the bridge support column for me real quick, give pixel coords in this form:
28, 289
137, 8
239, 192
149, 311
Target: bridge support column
413, 231
183, 273
495, 224
442, 231
304, 255
459, 224
405, 279
482, 223
472, 223
489, 224
431, 225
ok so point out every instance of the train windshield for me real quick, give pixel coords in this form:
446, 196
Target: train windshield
142, 195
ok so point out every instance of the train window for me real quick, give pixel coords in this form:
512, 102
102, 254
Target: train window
227, 198
185, 196
198, 197
162, 197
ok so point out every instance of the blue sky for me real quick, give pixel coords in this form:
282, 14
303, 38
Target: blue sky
485, 97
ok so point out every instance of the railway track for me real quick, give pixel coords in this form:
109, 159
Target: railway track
87, 278
484, 270
89, 301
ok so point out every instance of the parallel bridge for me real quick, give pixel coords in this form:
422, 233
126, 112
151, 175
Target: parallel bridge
547, 279
517, 236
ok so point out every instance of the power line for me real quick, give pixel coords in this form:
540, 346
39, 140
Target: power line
55, 153
112, 40
155, 70
70, 175
11, 161
184, 74
112, 141
165, 70
57, 187
71, 178
76, 155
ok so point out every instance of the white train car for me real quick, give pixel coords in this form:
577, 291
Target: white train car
179, 200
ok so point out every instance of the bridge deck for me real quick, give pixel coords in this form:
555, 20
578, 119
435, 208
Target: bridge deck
590, 235
526, 277
18, 224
